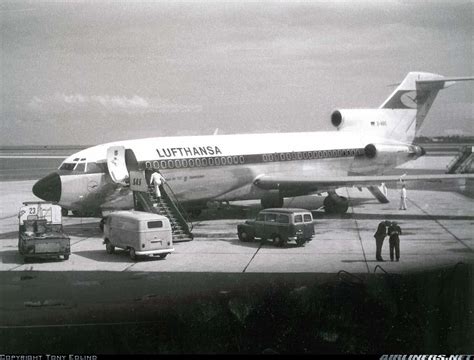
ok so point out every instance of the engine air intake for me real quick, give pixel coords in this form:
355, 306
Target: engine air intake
370, 151
336, 118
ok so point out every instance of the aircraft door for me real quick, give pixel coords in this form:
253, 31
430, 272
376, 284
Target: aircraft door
116, 164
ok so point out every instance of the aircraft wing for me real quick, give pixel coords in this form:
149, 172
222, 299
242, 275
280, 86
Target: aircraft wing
293, 184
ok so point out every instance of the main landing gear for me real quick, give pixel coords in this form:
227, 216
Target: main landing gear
335, 204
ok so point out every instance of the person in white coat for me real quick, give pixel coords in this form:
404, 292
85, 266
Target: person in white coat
403, 198
157, 180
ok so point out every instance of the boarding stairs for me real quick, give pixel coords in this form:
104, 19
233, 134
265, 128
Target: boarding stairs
167, 206
461, 162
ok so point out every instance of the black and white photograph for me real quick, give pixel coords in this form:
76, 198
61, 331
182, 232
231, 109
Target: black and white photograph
236, 177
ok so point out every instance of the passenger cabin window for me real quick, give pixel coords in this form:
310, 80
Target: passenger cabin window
261, 217
270, 217
307, 218
155, 224
283, 219
298, 218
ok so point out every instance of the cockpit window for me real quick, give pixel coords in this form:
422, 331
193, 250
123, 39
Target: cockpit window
81, 167
67, 166
92, 167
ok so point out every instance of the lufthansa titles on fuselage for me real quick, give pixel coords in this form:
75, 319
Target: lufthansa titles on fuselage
189, 151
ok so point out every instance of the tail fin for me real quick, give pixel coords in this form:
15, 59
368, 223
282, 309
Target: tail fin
417, 92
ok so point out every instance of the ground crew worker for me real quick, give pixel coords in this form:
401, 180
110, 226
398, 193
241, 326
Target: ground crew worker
157, 180
379, 238
403, 198
394, 240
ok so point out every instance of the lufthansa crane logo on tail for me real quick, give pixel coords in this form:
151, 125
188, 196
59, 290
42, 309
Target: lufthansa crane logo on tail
409, 99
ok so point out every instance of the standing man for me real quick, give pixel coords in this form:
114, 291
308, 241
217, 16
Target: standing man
403, 198
394, 240
157, 180
379, 238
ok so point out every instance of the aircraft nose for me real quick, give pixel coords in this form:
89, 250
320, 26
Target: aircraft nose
48, 188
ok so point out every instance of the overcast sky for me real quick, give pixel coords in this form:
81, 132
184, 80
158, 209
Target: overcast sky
87, 73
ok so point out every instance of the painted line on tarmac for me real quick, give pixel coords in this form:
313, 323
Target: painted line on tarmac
18, 266
358, 233
259, 246
128, 267
441, 225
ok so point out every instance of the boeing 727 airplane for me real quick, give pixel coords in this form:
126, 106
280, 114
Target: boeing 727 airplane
269, 167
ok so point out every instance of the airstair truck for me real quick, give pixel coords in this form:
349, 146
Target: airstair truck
41, 231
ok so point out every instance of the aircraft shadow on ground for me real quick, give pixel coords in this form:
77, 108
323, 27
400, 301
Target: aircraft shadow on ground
119, 256
14, 257
176, 313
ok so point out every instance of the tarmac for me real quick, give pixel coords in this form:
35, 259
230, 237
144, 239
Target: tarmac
437, 228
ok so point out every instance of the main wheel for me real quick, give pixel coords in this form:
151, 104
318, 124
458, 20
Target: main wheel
64, 212
109, 248
335, 204
66, 257
162, 256
133, 255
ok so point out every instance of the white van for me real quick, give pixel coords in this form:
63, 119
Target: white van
140, 233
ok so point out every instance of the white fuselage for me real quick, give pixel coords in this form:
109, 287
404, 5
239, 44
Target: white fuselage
221, 167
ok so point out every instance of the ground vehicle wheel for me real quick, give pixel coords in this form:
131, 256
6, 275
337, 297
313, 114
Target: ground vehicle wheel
300, 242
66, 257
244, 236
133, 255
109, 248
162, 256
278, 241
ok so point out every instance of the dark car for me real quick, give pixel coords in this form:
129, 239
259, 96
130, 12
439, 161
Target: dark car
280, 225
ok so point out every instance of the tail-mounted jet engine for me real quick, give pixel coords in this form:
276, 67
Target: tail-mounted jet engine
377, 150
344, 118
